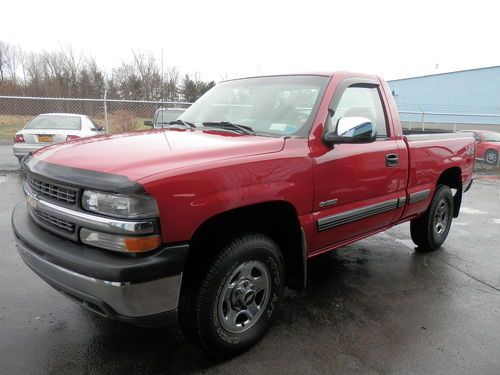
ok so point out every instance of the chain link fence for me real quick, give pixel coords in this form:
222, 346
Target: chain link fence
115, 116
118, 116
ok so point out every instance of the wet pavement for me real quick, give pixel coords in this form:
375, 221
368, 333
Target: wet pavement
373, 307
8, 161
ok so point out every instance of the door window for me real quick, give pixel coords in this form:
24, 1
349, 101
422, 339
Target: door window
362, 102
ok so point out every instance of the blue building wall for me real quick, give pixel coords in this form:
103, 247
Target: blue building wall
475, 91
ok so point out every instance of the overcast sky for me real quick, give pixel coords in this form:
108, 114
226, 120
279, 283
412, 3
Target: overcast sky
237, 38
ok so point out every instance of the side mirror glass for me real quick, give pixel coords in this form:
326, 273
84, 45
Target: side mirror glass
352, 130
148, 123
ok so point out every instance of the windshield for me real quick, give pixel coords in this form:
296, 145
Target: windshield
164, 116
491, 137
56, 122
281, 105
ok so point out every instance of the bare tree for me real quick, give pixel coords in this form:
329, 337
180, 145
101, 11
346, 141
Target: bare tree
171, 84
3, 60
23, 61
67, 73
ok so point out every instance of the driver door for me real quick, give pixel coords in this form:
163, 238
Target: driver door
357, 186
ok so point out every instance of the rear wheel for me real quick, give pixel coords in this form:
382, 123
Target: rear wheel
429, 231
228, 308
491, 157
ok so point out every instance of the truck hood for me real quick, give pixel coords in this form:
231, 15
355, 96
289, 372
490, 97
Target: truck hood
141, 154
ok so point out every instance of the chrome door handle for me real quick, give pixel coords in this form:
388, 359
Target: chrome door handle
391, 160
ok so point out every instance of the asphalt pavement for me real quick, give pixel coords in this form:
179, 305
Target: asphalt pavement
8, 162
374, 307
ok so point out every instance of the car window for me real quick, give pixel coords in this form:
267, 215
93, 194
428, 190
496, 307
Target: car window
491, 137
56, 123
165, 116
362, 102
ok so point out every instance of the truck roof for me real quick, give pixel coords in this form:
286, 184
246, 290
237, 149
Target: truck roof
321, 74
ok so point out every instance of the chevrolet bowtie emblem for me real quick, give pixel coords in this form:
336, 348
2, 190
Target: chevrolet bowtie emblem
32, 201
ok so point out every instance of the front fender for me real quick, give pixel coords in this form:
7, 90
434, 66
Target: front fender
186, 201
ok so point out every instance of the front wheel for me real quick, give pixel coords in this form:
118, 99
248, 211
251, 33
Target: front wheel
491, 157
429, 231
229, 308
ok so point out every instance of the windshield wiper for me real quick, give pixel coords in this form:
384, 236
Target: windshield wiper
230, 126
179, 122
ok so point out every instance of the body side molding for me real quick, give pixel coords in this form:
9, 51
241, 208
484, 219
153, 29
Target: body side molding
419, 196
357, 214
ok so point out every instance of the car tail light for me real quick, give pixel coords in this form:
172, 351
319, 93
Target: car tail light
72, 137
18, 138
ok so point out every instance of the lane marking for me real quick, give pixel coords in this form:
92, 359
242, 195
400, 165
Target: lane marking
472, 211
461, 224
496, 221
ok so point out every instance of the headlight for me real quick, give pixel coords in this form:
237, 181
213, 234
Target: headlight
124, 206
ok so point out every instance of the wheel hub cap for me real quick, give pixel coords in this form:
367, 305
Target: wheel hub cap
244, 296
491, 158
441, 217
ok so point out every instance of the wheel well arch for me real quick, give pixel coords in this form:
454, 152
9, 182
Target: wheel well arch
276, 219
452, 177
490, 149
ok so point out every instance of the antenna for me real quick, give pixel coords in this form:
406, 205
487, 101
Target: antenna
162, 83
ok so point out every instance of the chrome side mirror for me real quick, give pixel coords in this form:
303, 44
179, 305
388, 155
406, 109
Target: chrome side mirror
352, 130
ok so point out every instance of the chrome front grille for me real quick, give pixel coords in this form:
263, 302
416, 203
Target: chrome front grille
50, 190
55, 221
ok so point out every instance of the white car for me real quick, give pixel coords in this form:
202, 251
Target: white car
50, 128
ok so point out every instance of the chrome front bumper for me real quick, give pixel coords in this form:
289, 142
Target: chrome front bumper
143, 290
122, 298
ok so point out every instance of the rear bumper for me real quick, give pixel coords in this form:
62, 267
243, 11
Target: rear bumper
143, 290
23, 149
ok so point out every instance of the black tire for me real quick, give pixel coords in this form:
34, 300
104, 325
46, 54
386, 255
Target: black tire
202, 303
429, 231
491, 157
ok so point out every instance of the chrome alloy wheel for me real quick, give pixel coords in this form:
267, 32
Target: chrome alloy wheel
244, 296
491, 157
441, 217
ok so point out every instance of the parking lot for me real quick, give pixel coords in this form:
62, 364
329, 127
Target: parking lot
8, 161
373, 307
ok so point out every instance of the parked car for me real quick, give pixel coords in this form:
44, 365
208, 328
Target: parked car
163, 116
50, 128
205, 224
487, 145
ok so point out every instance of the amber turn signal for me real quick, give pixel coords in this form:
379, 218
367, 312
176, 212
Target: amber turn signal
140, 244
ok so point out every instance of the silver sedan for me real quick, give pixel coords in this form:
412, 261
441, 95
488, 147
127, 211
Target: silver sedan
50, 128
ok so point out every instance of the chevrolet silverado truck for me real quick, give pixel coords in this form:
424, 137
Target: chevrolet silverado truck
205, 222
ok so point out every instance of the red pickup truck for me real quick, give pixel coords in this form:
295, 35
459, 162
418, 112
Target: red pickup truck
206, 221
